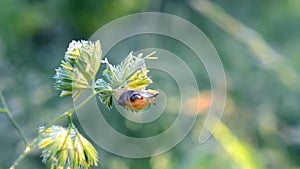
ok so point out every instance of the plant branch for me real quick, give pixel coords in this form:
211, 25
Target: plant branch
12, 119
24, 154
70, 111
68, 114
70, 119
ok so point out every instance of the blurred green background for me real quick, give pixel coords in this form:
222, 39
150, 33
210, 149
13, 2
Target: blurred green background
260, 126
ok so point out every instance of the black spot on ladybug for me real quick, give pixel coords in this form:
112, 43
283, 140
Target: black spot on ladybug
135, 97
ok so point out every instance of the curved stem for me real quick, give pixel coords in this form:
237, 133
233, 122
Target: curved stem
70, 119
2, 110
24, 154
70, 111
68, 114
12, 119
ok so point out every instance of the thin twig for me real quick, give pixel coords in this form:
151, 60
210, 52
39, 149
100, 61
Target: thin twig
12, 119
57, 119
70, 111
26, 151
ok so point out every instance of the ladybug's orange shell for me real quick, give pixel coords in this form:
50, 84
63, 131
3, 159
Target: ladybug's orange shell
139, 104
136, 104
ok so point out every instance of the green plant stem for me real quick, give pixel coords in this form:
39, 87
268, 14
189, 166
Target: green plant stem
12, 119
57, 119
70, 111
24, 154
70, 119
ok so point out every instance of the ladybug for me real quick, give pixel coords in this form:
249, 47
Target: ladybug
137, 100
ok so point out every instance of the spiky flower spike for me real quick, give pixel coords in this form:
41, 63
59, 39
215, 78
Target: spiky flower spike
66, 148
80, 65
130, 74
